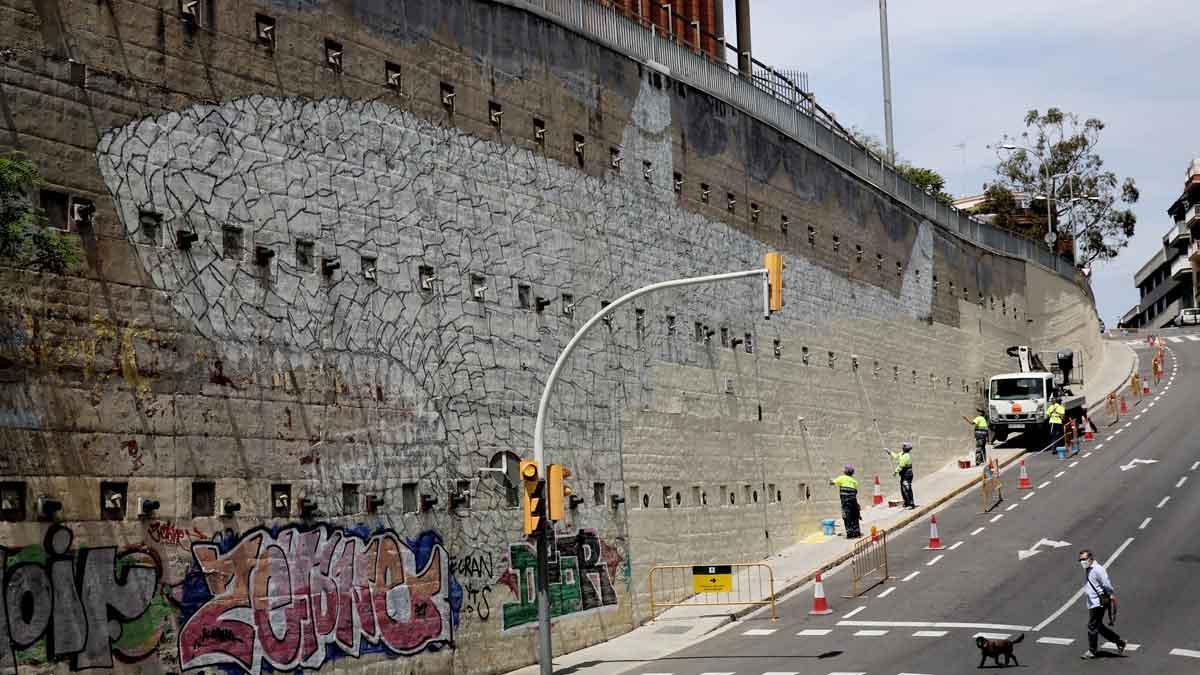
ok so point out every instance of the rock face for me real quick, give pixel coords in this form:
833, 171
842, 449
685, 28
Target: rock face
328, 390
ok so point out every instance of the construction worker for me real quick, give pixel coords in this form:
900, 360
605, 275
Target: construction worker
980, 424
904, 470
848, 492
1055, 413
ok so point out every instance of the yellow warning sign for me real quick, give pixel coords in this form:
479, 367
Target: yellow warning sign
712, 579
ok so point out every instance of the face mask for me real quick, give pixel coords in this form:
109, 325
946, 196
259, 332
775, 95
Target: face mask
1083, 564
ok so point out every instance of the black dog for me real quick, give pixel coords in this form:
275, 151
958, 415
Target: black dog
994, 649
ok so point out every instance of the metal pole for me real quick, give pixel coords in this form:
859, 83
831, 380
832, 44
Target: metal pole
887, 82
545, 653
745, 59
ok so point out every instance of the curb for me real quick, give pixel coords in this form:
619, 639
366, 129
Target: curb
1133, 369
916, 515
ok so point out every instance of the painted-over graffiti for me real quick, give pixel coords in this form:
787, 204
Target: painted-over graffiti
85, 606
298, 597
581, 575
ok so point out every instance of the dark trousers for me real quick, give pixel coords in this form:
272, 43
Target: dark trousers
906, 479
1056, 434
1096, 628
981, 439
851, 515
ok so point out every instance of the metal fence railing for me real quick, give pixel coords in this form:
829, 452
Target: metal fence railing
681, 50
991, 489
868, 564
727, 584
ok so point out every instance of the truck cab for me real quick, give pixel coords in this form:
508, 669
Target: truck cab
1018, 401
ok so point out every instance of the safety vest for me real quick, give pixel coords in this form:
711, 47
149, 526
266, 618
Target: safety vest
981, 422
902, 459
846, 484
1055, 412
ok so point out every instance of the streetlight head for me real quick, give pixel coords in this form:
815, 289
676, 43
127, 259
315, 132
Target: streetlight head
1008, 146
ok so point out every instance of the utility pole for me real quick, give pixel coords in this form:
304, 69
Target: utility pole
887, 82
772, 301
745, 59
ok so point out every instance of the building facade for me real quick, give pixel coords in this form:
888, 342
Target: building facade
682, 18
1185, 212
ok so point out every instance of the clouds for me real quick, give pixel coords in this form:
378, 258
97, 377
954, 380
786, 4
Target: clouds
966, 72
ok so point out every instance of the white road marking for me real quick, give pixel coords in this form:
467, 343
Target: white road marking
977, 531
996, 517
1073, 464
937, 624
1163, 502
1129, 646
886, 593
1181, 482
956, 545
930, 633
853, 612
1185, 652
1173, 338
1135, 418
760, 631
658, 674
788, 672
1157, 397
1044, 485
993, 636
870, 633
1028, 496
1060, 474
718, 673
1195, 465
1079, 593
1193, 338
1056, 641
935, 560
911, 576
814, 632
845, 673
1118, 432
1127, 425
1145, 523
1089, 452
1152, 404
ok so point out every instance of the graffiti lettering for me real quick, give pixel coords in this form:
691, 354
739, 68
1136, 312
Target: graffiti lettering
296, 598
580, 579
162, 532
477, 600
88, 606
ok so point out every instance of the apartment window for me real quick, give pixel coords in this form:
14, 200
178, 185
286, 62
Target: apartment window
204, 499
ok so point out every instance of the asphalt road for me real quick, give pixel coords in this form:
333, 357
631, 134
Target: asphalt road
924, 620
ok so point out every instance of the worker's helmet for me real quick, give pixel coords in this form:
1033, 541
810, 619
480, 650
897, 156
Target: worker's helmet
1058, 399
906, 446
848, 469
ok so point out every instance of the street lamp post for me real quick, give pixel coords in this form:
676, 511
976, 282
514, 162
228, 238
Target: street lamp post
887, 82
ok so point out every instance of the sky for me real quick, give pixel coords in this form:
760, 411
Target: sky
964, 72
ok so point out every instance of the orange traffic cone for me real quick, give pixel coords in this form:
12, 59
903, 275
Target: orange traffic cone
820, 604
1124, 408
935, 542
878, 498
1146, 390
1023, 483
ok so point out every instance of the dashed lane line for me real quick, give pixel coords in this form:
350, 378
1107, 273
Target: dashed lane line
852, 612
939, 624
1118, 432
1011, 507
1163, 502
889, 591
912, 576
996, 517
1195, 465
935, 560
1186, 652
718, 673
814, 632
1056, 641
786, 672
1145, 523
1028, 496
1044, 485
1135, 418
1089, 452
1060, 474
955, 545
1181, 481
977, 531
1127, 425
931, 633
870, 633
1072, 465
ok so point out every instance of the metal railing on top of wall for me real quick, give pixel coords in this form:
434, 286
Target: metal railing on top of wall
761, 99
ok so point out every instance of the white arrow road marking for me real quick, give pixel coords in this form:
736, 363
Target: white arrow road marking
1185, 652
1135, 462
1033, 550
1163, 502
1145, 523
1056, 641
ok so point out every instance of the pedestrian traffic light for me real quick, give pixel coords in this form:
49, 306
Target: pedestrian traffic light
557, 491
531, 496
774, 264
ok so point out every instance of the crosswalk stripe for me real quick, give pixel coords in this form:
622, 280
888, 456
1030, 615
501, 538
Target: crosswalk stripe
930, 633
1193, 338
1129, 646
814, 632
718, 673
845, 673
1056, 641
1186, 652
993, 636
776, 672
1175, 339
759, 631
871, 633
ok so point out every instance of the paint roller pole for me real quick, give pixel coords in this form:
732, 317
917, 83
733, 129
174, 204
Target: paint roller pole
545, 652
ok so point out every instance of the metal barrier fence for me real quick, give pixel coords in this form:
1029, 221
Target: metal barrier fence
732, 584
868, 558
759, 97
991, 490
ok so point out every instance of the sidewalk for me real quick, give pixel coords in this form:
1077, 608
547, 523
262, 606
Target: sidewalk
796, 565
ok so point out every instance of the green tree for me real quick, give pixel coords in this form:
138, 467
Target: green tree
927, 180
25, 241
1059, 168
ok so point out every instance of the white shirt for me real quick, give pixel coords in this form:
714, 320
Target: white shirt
1097, 577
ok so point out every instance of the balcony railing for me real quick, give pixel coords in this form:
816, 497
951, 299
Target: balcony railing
1191, 216
793, 112
1194, 250
1181, 267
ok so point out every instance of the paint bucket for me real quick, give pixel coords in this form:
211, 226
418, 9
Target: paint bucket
827, 526
1061, 452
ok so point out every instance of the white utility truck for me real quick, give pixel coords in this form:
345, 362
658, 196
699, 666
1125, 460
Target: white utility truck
1018, 401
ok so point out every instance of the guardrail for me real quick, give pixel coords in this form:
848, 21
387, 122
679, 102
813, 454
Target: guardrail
991, 490
792, 115
868, 558
733, 584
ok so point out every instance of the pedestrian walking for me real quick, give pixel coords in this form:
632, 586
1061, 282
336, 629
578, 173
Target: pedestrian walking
847, 487
980, 425
1100, 600
904, 470
1055, 413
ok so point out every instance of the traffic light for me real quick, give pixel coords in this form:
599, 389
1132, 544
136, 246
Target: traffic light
531, 496
557, 491
774, 264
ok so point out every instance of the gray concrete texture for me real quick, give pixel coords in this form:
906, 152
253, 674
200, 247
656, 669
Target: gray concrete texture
205, 376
